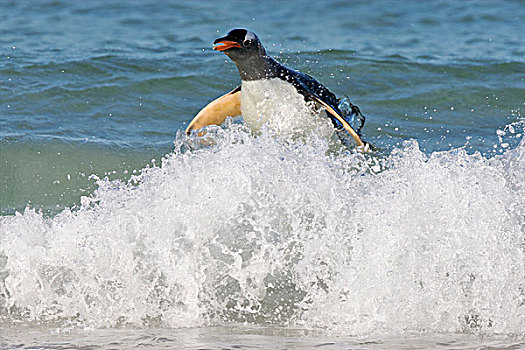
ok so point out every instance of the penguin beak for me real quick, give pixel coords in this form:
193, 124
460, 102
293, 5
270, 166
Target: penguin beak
223, 44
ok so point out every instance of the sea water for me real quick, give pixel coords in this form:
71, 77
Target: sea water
119, 231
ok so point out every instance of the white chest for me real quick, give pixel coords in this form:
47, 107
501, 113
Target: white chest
277, 104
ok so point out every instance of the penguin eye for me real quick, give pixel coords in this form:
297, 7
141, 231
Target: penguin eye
246, 43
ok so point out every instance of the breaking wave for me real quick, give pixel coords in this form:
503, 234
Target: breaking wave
236, 228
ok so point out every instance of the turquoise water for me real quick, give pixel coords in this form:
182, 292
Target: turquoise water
111, 84
112, 217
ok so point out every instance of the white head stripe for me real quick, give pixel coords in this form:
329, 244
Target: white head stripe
249, 36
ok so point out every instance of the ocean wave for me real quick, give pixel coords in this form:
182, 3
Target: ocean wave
236, 228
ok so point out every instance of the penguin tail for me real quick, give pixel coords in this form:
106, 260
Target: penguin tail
352, 114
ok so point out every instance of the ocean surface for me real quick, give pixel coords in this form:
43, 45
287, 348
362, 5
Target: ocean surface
119, 231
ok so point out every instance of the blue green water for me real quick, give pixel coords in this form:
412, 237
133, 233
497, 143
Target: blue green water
107, 85
95, 93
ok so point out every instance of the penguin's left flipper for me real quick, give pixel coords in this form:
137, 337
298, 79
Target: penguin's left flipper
333, 114
215, 112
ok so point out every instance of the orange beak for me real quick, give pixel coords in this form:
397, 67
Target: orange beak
225, 45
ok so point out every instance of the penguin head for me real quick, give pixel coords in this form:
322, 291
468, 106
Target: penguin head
240, 43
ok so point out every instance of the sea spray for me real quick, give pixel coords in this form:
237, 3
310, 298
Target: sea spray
250, 228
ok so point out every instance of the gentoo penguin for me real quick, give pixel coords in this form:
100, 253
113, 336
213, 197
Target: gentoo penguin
267, 86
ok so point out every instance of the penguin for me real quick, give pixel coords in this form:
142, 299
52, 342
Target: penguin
266, 86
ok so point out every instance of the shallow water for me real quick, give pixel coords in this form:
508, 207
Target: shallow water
244, 337
112, 218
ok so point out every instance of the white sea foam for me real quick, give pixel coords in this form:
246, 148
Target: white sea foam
254, 229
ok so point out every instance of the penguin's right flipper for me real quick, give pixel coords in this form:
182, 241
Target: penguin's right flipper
215, 112
333, 114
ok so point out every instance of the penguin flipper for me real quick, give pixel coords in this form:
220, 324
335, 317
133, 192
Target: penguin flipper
216, 111
333, 114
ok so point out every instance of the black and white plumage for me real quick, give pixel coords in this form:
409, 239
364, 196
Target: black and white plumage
269, 89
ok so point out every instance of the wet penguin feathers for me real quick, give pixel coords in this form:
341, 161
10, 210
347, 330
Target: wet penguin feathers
256, 67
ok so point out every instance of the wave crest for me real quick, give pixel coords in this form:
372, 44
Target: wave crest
233, 227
